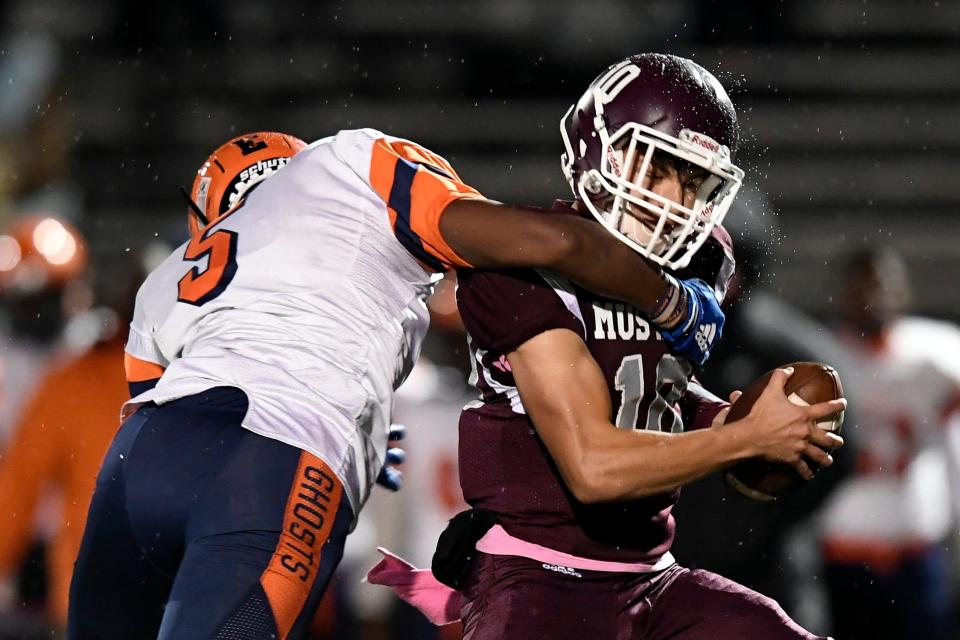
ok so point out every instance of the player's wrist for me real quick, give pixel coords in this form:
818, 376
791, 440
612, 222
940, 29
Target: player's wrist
672, 306
736, 440
692, 324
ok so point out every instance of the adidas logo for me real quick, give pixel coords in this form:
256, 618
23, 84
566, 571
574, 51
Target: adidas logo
706, 335
567, 571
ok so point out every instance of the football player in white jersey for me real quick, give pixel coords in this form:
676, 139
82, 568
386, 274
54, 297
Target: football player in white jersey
887, 530
294, 311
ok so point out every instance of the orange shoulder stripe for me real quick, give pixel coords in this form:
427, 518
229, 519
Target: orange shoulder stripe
416, 194
429, 196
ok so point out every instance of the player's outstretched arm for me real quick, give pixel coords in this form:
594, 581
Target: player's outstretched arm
491, 235
565, 394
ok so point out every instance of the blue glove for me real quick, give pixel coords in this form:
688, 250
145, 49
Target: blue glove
390, 476
702, 324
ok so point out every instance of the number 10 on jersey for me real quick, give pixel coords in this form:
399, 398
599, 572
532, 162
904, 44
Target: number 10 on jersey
662, 414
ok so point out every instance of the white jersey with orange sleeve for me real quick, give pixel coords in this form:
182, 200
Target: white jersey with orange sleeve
900, 495
309, 296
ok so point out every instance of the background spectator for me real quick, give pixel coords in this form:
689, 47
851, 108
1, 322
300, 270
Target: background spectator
888, 531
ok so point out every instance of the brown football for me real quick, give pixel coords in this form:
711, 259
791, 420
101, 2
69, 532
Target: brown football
811, 382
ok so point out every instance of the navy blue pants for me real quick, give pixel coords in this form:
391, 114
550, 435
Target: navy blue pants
910, 601
201, 529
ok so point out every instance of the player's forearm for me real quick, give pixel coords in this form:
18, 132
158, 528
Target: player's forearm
490, 235
630, 464
565, 394
598, 262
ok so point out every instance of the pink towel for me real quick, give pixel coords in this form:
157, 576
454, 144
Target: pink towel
437, 601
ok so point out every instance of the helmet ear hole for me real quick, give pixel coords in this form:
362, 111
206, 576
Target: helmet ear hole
709, 189
235, 167
593, 185
196, 218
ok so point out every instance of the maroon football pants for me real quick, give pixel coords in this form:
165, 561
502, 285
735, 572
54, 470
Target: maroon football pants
511, 598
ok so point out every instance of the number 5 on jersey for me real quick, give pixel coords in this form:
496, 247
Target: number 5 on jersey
219, 247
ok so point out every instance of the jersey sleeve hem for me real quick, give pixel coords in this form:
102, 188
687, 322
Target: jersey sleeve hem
700, 406
453, 259
142, 347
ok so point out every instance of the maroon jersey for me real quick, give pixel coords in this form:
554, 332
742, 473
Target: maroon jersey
505, 467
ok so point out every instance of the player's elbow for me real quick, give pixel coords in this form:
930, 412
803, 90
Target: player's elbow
594, 489
590, 481
586, 491
598, 479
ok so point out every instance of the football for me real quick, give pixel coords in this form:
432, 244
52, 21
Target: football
811, 382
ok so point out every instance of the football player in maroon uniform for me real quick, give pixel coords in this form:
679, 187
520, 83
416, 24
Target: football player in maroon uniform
587, 424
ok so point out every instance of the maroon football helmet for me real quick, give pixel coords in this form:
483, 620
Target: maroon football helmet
651, 104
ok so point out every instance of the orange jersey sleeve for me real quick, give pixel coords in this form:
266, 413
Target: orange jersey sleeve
417, 185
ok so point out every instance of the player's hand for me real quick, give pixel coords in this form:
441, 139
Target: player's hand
391, 477
701, 324
782, 431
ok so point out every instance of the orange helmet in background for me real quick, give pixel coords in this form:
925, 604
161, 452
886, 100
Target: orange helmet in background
40, 252
233, 169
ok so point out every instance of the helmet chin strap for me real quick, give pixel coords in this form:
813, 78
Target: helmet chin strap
634, 229
194, 208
